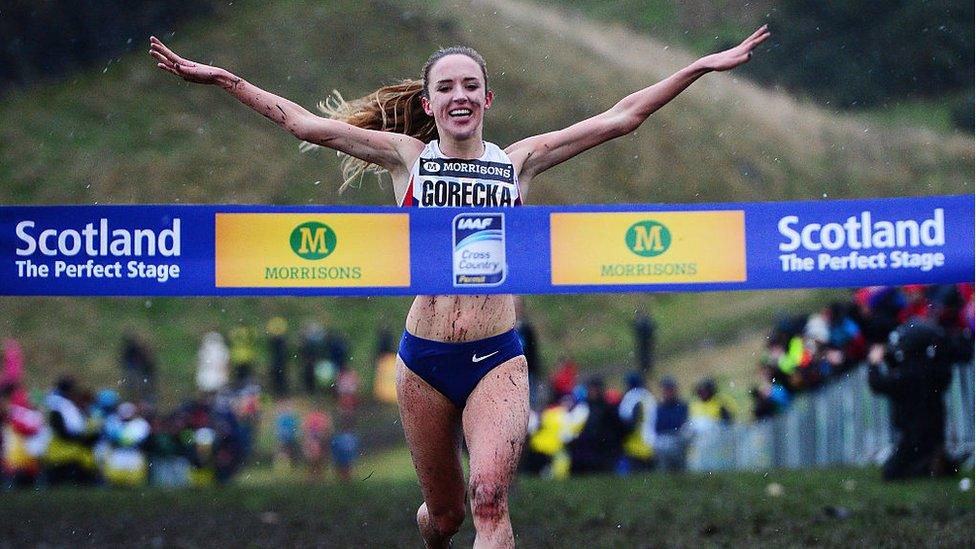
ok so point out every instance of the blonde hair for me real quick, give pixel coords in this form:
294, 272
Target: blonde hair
394, 108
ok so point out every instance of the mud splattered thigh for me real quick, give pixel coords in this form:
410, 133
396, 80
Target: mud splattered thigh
431, 424
494, 421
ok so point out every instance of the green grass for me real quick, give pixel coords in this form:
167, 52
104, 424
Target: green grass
933, 113
707, 26
704, 26
656, 510
133, 134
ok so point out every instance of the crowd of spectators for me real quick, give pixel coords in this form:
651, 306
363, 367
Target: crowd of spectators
589, 427
315, 439
805, 351
71, 434
74, 435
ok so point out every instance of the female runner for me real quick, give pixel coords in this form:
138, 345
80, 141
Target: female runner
460, 368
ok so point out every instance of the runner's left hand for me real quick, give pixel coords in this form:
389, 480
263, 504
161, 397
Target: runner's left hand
732, 58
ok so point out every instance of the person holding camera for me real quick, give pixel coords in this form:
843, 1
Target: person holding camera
913, 373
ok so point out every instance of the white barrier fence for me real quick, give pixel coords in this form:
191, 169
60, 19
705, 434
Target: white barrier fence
843, 423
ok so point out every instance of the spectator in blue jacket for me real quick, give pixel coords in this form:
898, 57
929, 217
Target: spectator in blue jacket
671, 441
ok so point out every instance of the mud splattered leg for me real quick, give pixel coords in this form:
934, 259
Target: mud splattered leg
494, 420
431, 425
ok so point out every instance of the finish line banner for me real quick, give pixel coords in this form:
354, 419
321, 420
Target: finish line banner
298, 250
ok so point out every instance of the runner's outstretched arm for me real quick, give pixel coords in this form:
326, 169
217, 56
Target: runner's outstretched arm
392, 151
541, 152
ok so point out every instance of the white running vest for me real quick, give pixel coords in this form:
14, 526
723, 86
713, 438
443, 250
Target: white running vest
440, 181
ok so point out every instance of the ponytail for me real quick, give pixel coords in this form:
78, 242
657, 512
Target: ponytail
395, 108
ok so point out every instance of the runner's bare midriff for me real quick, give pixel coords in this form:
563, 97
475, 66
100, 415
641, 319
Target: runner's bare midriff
457, 318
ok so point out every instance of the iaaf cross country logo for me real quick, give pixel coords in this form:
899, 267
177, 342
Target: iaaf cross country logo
479, 249
648, 238
313, 240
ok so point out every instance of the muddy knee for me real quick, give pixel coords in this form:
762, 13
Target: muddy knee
489, 500
446, 522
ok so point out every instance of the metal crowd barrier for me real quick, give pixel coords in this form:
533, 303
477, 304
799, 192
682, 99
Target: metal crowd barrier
843, 423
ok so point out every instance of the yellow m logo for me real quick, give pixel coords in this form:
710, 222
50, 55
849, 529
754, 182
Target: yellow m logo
648, 239
312, 242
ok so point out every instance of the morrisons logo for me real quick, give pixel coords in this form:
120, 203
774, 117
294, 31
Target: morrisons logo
648, 238
313, 240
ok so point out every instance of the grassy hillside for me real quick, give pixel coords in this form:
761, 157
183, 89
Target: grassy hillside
703, 26
128, 133
706, 26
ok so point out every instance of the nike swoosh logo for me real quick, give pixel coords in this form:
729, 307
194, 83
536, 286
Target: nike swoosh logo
476, 358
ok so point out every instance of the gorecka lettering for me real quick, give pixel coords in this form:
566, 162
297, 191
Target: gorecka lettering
441, 193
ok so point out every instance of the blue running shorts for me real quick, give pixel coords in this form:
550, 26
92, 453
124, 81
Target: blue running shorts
455, 369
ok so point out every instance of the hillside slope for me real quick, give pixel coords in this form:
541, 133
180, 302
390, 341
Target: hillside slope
129, 133
724, 138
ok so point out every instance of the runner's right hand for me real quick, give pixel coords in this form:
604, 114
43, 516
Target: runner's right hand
184, 68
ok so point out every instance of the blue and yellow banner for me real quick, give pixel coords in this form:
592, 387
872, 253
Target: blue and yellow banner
292, 250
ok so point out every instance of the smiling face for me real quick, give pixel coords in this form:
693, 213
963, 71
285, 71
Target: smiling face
457, 97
